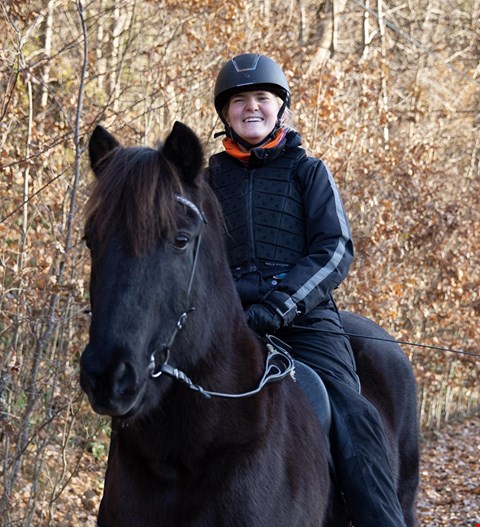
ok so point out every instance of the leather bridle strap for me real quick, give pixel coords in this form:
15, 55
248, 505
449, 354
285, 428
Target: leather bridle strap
182, 319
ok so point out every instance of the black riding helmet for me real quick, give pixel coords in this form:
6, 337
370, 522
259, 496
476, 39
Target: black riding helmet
249, 72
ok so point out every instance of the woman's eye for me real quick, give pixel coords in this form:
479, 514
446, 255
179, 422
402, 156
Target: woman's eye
181, 241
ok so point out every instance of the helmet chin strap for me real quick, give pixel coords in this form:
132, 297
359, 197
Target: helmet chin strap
230, 132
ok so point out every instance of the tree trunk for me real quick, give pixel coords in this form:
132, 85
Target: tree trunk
383, 74
326, 32
47, 47
367, 33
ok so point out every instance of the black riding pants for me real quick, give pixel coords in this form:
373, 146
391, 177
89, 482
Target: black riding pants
358, 441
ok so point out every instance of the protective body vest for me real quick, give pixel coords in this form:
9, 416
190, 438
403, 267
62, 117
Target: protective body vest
265, 226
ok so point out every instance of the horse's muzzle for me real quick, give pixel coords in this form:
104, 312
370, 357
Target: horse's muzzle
113, 389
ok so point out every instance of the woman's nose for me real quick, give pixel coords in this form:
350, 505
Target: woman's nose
251, 104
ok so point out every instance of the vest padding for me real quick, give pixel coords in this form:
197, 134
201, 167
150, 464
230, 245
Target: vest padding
267, 223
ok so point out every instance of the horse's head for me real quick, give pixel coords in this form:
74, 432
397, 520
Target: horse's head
155, 262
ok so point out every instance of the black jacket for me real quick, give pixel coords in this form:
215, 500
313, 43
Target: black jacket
317, 231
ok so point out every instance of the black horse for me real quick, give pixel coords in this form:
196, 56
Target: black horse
169, 352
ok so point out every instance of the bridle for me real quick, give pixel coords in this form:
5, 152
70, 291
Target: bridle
182, 319
279, 362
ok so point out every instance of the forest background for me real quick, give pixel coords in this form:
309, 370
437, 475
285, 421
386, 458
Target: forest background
385, 91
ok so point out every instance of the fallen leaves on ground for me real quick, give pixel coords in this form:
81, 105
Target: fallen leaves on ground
450, 476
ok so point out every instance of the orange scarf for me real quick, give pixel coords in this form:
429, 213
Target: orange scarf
232, 148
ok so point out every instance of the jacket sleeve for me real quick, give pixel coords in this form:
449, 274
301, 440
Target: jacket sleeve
328, 241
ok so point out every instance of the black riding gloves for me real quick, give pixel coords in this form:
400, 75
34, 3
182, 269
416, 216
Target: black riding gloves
263, 319
277, 310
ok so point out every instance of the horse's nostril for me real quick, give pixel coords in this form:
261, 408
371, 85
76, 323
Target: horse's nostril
124, 380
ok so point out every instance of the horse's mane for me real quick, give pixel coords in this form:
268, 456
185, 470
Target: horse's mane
133, 194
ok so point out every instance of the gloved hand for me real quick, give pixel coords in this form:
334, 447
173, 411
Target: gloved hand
263, 319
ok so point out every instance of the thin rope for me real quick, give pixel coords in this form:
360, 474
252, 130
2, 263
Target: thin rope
394, 341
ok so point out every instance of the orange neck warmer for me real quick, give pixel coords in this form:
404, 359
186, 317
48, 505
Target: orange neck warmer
232, 148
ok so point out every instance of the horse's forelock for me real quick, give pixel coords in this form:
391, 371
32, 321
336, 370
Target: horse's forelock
134, 194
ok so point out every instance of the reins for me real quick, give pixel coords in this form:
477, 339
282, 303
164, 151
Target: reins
395, 341
278, 365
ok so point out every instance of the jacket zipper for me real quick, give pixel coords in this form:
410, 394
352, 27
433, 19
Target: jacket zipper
250, 224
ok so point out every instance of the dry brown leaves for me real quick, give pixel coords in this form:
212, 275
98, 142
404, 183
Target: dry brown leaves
450, 476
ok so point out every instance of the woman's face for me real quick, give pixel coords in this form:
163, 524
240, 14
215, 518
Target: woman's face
253, 114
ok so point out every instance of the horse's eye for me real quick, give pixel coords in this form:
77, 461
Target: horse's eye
181, 242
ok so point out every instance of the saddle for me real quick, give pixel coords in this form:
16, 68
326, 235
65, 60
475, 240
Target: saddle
313, 387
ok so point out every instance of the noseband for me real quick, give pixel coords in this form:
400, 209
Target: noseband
279, 362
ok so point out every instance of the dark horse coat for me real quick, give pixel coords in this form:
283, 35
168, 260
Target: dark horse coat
164, 312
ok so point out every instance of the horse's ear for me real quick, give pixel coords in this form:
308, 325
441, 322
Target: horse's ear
100, 144
182, 148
